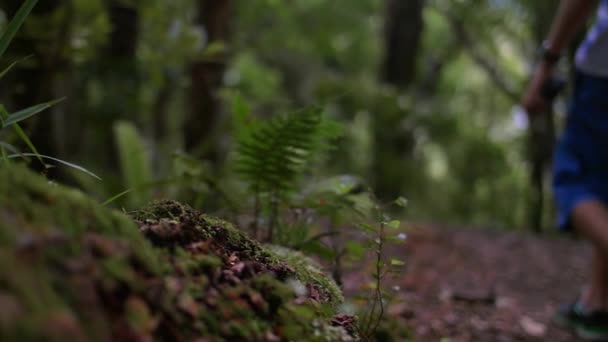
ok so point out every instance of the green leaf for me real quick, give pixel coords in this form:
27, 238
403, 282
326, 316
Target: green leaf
28, 112
394, 224
11, 66
134, 161
393, 239
9, 147
367, 227
3, 115
27, 141
115, 197
397, 262
15, 24
401, 201
240, 115
63, 162
355, 249
4, 155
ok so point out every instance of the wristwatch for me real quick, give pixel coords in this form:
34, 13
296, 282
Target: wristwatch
548, 55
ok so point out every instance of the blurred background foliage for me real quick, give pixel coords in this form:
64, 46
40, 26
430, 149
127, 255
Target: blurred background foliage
425, 91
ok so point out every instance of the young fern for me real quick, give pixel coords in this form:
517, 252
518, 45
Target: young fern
272, 155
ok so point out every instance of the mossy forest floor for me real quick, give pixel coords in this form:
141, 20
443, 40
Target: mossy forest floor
72, 270
476, 285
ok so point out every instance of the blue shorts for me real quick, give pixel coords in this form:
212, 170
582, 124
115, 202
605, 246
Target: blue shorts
580, 169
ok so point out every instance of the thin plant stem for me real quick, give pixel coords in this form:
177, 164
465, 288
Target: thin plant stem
379, 276
256, 213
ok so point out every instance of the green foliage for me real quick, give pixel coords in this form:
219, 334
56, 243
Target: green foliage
15, 24
23, 114
378, 237
12, 119
134, 162
273, 154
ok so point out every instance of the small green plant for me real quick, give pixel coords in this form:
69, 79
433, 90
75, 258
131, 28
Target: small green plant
11, 120
378, 238
273, 155
340, 201
134, 162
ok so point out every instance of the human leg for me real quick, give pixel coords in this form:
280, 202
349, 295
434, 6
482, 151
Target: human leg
590, 218
589, 315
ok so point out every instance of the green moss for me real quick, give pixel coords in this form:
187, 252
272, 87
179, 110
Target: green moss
46, 233
233, 240
31, 206
72, 269
309, 271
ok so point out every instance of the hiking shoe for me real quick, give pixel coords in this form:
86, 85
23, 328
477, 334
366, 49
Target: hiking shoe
590, 326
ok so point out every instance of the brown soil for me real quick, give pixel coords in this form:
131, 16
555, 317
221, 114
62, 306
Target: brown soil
473, 285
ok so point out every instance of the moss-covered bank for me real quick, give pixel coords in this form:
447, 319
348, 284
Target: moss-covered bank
71, 269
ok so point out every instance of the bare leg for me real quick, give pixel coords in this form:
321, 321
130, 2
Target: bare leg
590, 218
595, 295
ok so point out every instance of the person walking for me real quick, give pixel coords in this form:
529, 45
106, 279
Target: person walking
580, 170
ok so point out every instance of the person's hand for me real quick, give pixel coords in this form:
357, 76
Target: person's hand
533, 100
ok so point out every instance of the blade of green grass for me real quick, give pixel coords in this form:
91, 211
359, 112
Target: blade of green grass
9, 147
3, 115
4, 155
63, 162
11, 66
15, 24
28, 112
147, 186
28, 142
115, 197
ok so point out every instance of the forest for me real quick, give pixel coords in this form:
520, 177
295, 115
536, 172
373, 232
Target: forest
273, 170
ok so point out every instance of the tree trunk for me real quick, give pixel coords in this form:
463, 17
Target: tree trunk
402, 36
393, 147
116, 72
206, 80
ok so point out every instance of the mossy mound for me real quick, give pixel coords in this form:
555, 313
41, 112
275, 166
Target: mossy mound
73, 270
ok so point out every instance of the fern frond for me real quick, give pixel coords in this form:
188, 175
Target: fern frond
273, 154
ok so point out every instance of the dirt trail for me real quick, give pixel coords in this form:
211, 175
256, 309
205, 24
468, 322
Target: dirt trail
474, 285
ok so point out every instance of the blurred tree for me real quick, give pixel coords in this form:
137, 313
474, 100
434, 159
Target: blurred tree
206, 76
402, 37
394, 143
118, 74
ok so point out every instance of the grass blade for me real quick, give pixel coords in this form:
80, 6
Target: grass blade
9, 147
115, 197
11, 66
15, 24
3, 115
4, 155
28, 112
63, 162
